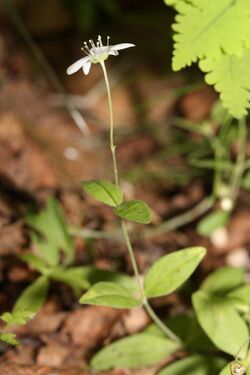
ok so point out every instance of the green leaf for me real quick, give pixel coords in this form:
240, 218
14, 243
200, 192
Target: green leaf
194, 365
231, 77
9, 338
211, 222
110, 294
104, 191
175, 3
242, 293
95, 275
17, 317
75, 277
240, 297
54, 236
134, 210
206, 28
133, 351
170, 271
223, 280
34, 296
223, 325
35, 262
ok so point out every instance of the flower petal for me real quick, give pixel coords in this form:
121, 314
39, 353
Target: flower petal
86, 66
77, 65
122, 46
113, 52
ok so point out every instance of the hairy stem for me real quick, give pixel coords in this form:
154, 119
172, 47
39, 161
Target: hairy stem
150, 311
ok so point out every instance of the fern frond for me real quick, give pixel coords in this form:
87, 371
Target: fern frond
17, 317
231, 78
209, 28
9, 338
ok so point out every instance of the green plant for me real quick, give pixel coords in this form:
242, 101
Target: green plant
165, 276
54, 259
215, 34
219, 321
18, 317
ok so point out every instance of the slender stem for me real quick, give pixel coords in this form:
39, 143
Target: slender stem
160, 323
240, 161
132, 258
151, 313
111, 119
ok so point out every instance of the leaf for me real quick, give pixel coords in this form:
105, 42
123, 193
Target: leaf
170, 271
104, 191
194, 365
175, 3
35, 262
52, 227
206, 28
95, 275
231, 78
240, 297
223, 325
109, 294
134, 210
17, 317
133, 351
33, 297
242, 293
223, 280
75, 277
211, 222
9, 338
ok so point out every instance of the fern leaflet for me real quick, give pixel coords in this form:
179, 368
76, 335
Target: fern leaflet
209, 28
231, 77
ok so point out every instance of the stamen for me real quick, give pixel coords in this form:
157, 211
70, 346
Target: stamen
86, 46
85, 51
100, 40
92, 43
108, 38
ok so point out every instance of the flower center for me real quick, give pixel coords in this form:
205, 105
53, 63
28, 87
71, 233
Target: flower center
97, 52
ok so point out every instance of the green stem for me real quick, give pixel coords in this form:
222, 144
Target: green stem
111, 119
240, 161
132, 258
151, 313
160, 323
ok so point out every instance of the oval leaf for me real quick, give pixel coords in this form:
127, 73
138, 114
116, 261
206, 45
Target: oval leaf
104, 191
133, 351
170, 271
109, 294
194, 365
223, 280
135, 210
33, 297
223, 325
211, 222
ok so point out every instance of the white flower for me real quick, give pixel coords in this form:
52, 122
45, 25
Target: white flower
96, 54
